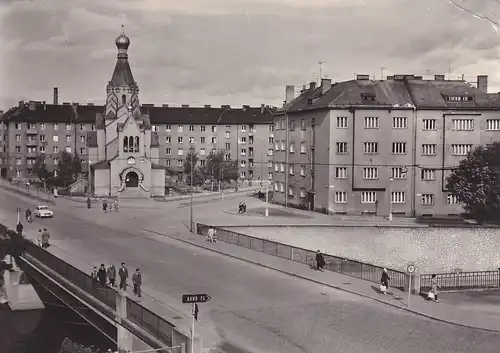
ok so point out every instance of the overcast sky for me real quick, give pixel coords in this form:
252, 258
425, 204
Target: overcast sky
236, 51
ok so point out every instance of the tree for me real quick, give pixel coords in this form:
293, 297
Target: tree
68, 168
218, 169
190, 165
476, 182
40, 168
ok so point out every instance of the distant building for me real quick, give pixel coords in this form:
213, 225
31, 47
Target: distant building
166, 134
368, 147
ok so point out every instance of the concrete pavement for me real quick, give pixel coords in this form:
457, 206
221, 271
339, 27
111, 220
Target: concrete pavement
260, 310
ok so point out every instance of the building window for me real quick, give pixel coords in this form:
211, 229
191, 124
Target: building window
371, 122
56, 161
203, 128
282, 145
370, 173
42, 126
68, 138
282, 167
180, 139
399, 122
191, 128
292, 125
370, 147
55, 149
180, 162
398, 173
463, 124
82, 150
202, 139
42, 138
243, 175
18, 137
56, 127
68, 127
243, 152
428, 174
82, 127
427, 199
429, 124
42, 149
180, 128
243, 128
31, 126
303, 193
303, 124
227, 156
341, 147
55, 138
291, 169
277, 145
460, 150
191, 140
203, 152
270, 139
228, 146
92, 127
271, 128
214, 128
399, 148
168, 139
270, 152
276, 186
270, 175
18, 161
203, 162
429, 150
302, 147
243, 140
168, 162
155, 128
368, 197
276, 167
227, 134
180, 152
68, 149
168, 128
452, 200
340, 172
342, 122
82, 139
269, 164
398, 197
290, 191
168, 151
292, 147
303, 170
243, 163
340, 197
214, 139
493, 124
18, 126
131, 144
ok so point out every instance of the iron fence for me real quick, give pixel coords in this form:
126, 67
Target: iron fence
462, 280
149, 321
337, 264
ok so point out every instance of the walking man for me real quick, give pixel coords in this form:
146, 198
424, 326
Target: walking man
123, 274
45, 237
384, 282
320, 261
101, 275
89, 202
115, 204
93, 274
137, 281
112, 275
105, 206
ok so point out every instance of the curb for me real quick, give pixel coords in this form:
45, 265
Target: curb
326, 284
316, 225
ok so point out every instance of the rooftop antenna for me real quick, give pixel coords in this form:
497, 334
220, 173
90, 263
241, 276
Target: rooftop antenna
382, 72
321, 69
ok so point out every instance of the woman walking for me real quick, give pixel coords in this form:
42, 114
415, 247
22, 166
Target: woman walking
434, 287
384, 282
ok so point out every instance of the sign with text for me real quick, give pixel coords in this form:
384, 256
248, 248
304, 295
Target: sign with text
195, 298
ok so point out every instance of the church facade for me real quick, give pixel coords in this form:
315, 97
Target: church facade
124, 151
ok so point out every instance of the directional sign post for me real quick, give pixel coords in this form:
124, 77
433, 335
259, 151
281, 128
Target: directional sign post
410, 269
194, 299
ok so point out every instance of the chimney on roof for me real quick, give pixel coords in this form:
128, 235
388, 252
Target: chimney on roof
312, 85
363, 77
185, 106
164, 105
482, 83
326, 85
21, 104
289, 93
439, 77
208, 106
44, 105
32, 105
262, 108
56, 96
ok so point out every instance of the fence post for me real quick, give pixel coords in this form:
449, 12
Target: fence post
125, 338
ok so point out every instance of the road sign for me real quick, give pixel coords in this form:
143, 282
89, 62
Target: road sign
195, 298
410, 268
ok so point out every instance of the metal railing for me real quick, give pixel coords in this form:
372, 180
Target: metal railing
462, 280
149, 321
337, 264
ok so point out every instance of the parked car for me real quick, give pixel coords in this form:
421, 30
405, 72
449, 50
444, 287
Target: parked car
43, 212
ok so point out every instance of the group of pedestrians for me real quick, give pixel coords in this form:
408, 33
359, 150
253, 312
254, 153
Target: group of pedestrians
106, 206
108, 277
43, 238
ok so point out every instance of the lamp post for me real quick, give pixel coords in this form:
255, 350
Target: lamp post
266, 214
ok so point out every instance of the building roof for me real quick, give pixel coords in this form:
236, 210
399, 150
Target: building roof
403, 92
93, 114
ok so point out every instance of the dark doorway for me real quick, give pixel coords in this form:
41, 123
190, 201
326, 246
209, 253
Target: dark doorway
132, 180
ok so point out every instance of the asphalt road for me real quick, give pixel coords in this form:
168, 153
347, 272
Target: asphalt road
260, 310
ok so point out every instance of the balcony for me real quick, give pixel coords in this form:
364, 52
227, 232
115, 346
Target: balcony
32, 143
32, 132
31, 154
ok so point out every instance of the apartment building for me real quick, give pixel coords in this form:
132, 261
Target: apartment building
379, 147
37, 128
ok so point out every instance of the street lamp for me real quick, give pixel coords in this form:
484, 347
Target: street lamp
266, 214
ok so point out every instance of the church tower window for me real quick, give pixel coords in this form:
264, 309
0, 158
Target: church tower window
136, 144
125, 144
130, 144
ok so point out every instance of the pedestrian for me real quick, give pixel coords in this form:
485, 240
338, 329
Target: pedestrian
244, 207
384, 282
115, 204
104, 206
240, 207
89, 202
28, 214
211, 235
434, 287
45, 237
123, 274
101, 275
93, 274
112, 275
137, 281
19, 228
320, 261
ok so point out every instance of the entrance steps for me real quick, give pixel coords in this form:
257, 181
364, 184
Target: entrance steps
133, 193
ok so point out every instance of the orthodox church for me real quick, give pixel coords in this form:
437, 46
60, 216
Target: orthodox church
124, 152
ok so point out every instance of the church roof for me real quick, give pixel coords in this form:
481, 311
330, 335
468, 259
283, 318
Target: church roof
122, 76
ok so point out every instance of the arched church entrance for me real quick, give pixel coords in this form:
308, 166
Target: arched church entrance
131, 180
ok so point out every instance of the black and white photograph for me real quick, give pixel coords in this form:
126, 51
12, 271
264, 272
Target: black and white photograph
249, 176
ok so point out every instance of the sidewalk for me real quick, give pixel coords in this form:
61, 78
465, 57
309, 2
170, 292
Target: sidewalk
482, 313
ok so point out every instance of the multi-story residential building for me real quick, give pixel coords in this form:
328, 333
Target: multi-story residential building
364, 146
36, 128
